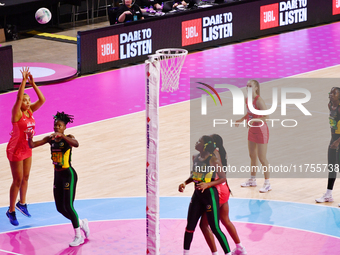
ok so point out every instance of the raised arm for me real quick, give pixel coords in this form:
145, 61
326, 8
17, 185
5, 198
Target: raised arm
41, 98
16, 111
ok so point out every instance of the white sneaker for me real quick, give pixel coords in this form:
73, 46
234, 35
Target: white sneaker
239, 251
77, 241
85, 228
266, 187
249, 183
324, 198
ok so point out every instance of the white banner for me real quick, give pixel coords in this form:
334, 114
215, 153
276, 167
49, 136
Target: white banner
152, 73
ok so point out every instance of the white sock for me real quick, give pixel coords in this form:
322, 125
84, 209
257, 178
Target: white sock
77, 232
80, 223
253, 177
215, 253
186, 252
239, 245
329, 192
266, 181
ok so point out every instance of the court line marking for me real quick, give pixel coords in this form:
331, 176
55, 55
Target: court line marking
10, 252
188, 197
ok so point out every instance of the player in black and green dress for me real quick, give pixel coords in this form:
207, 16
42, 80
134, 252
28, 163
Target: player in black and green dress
333, 148
205, 200
65, 177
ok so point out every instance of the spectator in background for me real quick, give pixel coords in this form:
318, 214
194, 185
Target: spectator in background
180, 2
129, 11
143, 4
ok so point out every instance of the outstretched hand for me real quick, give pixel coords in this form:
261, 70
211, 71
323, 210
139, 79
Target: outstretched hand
30, 78
25, 73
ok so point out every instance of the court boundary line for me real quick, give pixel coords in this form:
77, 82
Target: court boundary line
140, 219
241, 198
10, 252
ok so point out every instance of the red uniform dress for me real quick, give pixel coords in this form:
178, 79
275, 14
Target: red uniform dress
257, 133
223, 192
17, 147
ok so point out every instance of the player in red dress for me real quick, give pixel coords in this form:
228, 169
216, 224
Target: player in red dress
18, 152
258, 136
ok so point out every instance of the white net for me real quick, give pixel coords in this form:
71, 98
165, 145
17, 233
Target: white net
171, 61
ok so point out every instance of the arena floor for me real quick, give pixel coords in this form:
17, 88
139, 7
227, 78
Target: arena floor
110, 161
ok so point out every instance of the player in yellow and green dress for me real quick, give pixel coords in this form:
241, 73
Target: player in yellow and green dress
205, 200
333, 149
65, 177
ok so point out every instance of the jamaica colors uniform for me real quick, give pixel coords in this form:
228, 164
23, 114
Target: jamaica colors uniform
207, 202
65, 180
333, 154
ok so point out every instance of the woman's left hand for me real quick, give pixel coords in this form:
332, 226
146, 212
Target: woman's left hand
203, 186
30, 78
334, 145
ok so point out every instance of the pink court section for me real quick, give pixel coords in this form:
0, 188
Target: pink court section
128, 237
120, 92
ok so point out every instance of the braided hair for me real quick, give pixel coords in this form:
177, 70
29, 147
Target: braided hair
223, 154
66, 118
219, 144
209, 144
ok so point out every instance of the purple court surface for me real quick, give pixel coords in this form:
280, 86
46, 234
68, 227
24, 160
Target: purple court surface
119, 92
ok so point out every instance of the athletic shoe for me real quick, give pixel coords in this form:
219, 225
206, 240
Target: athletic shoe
85, 228
23, 209
12, 218
266, 187
239, 251
78, 240
324, 198
249, 183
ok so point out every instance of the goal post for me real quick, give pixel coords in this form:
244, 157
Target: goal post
165, 64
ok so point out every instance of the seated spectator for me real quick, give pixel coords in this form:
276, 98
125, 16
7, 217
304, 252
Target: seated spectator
180, 2
143, 4
129, 12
